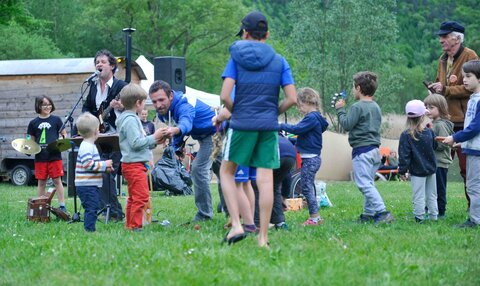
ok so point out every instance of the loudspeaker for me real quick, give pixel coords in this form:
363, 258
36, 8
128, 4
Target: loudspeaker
170, 70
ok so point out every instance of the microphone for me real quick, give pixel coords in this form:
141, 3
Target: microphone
94, 75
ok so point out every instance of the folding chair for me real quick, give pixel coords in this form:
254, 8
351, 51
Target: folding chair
386, 172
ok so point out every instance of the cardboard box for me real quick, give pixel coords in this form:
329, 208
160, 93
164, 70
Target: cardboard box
294, 204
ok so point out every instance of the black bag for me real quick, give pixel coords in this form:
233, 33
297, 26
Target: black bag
169, 174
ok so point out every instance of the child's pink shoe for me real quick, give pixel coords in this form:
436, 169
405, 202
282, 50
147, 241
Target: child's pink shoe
311, 221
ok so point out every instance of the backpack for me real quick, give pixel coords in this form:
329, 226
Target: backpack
170, 175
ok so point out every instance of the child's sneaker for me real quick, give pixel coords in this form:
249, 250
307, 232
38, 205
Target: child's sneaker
467, 224
63, 209
281, 226
383, 217
364, 218
313, 221
419, 220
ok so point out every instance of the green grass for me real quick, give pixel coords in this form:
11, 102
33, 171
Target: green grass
341, 252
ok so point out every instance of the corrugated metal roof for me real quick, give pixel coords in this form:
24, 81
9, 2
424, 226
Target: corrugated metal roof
55, 66
47, 66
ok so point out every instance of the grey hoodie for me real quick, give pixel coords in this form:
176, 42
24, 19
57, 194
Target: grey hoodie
134, 144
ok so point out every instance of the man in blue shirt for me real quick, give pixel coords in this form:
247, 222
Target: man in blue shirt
192, 117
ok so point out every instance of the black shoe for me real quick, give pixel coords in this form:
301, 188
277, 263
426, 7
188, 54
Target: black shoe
219, 208
201, 218
383, 217
365, 218
467, 224
419, 220
234, 239
281, 226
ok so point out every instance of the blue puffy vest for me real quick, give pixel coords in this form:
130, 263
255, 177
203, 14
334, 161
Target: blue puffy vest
259, 76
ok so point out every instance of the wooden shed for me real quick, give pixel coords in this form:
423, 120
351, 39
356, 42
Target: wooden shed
21, 81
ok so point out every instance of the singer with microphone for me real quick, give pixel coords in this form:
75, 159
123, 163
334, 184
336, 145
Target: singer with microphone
103, 102
104, 90
449, 80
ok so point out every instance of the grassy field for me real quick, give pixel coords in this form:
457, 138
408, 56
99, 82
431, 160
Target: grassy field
341, 252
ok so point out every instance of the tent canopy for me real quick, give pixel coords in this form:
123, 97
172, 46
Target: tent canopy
148, 68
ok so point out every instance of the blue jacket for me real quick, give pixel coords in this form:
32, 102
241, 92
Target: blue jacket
286, 147
417, 156
259, 78
309, 132
470, 135
192, 116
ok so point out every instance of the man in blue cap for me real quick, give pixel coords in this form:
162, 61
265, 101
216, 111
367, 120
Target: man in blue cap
449, 80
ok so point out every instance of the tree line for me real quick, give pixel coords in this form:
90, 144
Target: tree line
325, 41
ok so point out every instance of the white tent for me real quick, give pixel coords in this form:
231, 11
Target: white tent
148, 69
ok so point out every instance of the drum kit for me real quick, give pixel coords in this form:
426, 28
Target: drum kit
38, 209
29, 147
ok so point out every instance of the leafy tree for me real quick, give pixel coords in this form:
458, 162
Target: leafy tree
336, 39
20, 44
22, 34
199, 30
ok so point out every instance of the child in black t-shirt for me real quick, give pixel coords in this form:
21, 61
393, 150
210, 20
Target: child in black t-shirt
44, 130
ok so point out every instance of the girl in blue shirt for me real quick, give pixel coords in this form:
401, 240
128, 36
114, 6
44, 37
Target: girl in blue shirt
309, 145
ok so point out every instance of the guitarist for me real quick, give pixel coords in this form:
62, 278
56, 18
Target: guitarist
104, 91
104, 95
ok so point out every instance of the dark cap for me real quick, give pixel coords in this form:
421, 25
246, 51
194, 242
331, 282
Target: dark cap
450, 26
254, 21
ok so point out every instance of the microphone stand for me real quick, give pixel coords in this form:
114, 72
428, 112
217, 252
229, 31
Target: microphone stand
76, 214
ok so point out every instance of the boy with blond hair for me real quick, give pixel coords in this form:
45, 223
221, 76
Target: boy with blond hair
88, 177
135, 146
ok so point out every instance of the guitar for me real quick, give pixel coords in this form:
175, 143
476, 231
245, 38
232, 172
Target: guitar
103, 114
337, 96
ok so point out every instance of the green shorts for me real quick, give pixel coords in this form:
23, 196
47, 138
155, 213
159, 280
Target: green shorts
252, 148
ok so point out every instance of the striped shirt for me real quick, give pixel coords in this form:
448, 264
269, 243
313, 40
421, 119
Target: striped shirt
89, 168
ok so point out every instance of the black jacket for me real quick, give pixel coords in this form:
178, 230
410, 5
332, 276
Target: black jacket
90, 105
417, 156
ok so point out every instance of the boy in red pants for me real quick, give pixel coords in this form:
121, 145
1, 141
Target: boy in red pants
135, 145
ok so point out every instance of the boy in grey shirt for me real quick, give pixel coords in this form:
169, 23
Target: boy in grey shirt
363, 123
135, 146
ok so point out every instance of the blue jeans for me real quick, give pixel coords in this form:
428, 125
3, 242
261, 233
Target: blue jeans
89, 196
201, 179
310, 167
364, 167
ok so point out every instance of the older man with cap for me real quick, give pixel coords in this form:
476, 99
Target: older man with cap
449, 80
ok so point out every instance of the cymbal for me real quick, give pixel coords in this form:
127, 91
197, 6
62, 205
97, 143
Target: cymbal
60, 145
26, 146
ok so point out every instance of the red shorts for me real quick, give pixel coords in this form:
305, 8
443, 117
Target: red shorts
45, 170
